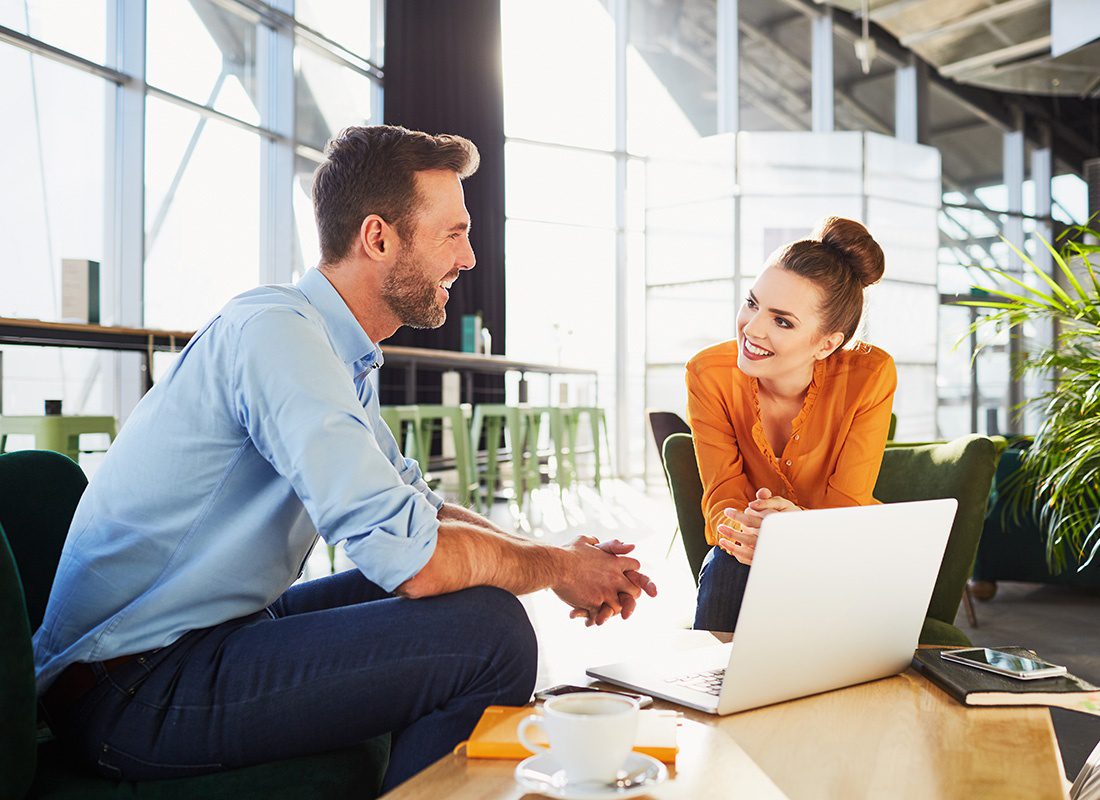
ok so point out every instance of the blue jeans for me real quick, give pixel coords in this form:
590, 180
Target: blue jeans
722, 580
331, 663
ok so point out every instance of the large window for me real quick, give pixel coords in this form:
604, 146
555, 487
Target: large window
581, 114
52, 204
173, 142
202, 215
974, 370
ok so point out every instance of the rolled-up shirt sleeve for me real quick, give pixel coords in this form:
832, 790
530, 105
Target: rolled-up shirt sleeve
297, 401
407, 468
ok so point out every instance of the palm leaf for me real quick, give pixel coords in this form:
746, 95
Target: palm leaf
1058, 483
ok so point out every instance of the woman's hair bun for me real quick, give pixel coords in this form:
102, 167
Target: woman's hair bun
860, 251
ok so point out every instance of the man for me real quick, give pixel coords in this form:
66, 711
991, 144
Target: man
173, 643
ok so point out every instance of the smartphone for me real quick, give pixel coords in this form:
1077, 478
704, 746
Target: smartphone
1003, 663
644, 700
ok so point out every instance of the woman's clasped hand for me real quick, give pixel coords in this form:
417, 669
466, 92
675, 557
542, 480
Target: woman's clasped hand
740, 541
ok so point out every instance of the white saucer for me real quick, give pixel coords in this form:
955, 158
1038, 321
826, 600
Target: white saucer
541, 773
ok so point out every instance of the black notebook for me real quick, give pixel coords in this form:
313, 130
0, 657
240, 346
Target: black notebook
976, 687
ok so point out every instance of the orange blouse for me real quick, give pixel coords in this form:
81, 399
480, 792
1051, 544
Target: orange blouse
834, 453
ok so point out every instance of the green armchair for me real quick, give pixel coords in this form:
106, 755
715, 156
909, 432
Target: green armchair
39, 491
962, 469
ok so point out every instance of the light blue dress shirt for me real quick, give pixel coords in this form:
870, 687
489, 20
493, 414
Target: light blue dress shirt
265, 432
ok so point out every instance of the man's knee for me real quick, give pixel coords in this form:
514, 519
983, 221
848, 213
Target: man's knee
503, 621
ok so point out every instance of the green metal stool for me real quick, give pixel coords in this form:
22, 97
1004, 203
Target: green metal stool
59, 433
597, 419
561, 442
495, 419
432, 416
404, 424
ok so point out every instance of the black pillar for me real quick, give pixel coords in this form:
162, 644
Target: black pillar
443, 75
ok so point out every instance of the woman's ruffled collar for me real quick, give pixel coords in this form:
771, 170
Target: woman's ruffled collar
816, 382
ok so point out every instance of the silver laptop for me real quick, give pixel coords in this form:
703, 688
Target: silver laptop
835, 597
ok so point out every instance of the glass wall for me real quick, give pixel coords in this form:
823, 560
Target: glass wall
974, 373
173, 142
634, 78
709, 234
598, 91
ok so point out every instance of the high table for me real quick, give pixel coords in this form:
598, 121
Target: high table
899, 737
150, 340
99, 337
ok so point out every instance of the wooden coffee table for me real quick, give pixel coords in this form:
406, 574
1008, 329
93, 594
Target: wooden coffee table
899, 737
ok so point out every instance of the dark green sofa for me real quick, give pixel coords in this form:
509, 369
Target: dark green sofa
1013, 547
38, 494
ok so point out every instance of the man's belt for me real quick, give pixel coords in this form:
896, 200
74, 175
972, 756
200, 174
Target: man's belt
75, 681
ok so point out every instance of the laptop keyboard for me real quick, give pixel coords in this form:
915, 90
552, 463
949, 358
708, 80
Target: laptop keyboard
709, 682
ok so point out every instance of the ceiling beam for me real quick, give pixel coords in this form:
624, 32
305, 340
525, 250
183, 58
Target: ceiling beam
764, 82
995, 108
981, 17
784, 20
761, 102
776, 50
890, 9
969, 126
1070, 148
993, 58
859, 78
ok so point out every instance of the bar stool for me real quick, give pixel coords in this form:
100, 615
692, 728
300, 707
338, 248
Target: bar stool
597, 419
60, 433
561, 442
495, 419
458, 427
404, 424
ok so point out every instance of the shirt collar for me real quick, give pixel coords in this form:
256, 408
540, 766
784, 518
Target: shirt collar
350, 341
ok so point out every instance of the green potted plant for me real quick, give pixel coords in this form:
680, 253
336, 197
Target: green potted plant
1060, 474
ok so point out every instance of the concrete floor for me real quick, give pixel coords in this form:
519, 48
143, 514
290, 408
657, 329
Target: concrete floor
1063, 626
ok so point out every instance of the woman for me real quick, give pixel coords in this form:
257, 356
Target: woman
786, 417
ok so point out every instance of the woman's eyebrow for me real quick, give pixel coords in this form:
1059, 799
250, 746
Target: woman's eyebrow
778, 311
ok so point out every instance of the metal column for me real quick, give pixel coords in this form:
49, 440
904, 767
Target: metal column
1092, 178
123, 290
822, 85
275, 65
911, 101
1041, 176
729, 67
1014, 233
621, 445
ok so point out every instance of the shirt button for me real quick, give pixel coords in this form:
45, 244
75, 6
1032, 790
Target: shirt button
796, 437
788, 462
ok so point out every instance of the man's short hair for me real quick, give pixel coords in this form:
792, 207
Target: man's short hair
372, 170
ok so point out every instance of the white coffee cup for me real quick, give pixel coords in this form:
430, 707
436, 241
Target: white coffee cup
591, 734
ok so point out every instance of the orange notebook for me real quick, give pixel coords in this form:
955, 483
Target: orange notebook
494, 736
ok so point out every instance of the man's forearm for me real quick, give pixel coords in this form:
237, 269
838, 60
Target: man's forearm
455, 513
470, 555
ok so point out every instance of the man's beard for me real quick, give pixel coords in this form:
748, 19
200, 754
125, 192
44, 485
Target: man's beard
412, 296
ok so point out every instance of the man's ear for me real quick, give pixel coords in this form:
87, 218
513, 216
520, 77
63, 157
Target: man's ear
829, 345
377, 238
